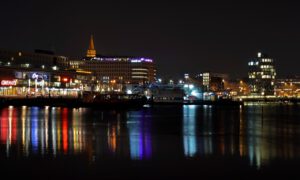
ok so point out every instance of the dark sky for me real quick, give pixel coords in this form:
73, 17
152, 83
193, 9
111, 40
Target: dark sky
219, 36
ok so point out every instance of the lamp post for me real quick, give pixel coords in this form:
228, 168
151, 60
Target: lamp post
28, 90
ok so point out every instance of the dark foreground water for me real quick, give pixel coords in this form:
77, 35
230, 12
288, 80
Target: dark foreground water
162, 142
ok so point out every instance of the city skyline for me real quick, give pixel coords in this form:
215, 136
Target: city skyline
193, 38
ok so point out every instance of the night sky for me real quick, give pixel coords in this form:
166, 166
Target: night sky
217, 36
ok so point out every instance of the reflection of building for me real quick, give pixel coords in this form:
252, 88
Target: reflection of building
189, 131
140, 141
32, 130
262, 75
237, 133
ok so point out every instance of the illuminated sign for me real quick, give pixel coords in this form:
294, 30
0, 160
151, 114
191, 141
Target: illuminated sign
140, 60
8, 82
65, 79
38, 76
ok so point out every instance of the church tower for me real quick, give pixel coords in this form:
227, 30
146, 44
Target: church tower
91, 52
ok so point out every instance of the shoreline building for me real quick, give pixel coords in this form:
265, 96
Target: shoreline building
41, 73
42, 59
262, 75
116, 73
288, 87
212, 81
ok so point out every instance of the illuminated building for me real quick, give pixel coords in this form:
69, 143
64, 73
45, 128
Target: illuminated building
288, 87
212, 81
38, 82
113, 72
91, 52
40, 59
41, 73
167, 94
262, 75
237, 87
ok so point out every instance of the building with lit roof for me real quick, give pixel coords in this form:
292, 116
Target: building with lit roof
113, 72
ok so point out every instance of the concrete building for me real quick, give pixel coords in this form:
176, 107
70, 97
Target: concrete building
36, 82
115, 72
38, 59
212, 81
288, 87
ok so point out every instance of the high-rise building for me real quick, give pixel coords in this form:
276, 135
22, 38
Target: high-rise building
91, 52
262, 75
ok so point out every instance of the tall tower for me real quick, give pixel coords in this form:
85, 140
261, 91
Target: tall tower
262, 75
91, 52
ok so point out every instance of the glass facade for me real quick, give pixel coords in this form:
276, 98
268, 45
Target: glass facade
262, 75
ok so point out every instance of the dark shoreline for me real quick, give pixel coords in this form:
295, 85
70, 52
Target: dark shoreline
105, 104
115, 104
70, 102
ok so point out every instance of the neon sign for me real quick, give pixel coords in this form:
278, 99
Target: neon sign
8, 82
38, 76
65, 79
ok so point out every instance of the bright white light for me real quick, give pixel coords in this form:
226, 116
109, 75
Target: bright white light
186, 76
191, 86
186, 86
259, 55
129, 92
194, 93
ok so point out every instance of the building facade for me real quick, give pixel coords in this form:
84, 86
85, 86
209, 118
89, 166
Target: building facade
262, 75
114, 73
39, 59
288, 87
212, 81
118, 71
37, 82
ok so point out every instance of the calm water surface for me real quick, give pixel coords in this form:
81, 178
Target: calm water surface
150, 143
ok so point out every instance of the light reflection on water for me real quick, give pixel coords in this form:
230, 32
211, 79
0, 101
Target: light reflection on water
258, 134
139, 137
